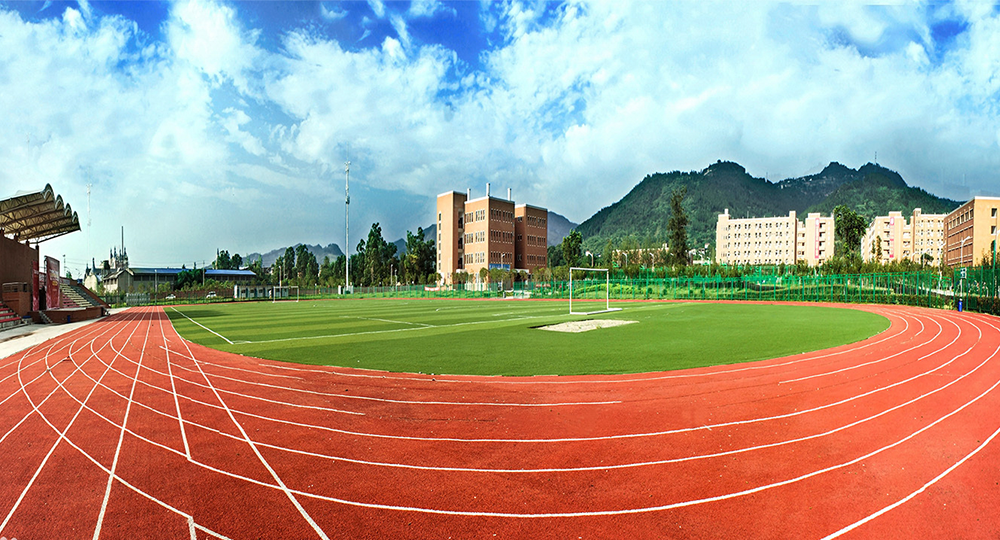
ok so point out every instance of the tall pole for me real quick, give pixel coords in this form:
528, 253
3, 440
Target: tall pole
347, 225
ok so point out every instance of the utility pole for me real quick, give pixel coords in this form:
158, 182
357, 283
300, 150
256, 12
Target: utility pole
347, 225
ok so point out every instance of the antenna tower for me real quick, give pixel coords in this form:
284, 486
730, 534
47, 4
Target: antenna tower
347, 224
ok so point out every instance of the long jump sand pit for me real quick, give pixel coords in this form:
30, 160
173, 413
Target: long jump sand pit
585, 326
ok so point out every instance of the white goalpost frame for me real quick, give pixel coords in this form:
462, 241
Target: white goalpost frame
607, 292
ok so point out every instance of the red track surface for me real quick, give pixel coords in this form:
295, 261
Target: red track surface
121, 429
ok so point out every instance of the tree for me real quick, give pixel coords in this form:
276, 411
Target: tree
571, 248
555, 256
419, 262
222, 261
677, 227
877, 249
379, 257
850, 227
257, 267
236, 262
288, 264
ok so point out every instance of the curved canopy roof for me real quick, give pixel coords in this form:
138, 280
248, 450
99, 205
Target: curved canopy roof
37, 216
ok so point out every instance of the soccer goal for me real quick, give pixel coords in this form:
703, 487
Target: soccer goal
590, 294
285, 293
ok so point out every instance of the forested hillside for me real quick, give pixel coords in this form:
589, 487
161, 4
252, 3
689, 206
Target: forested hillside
644, 212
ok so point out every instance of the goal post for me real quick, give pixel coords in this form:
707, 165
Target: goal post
581, 291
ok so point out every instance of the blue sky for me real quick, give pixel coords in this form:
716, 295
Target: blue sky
206, 124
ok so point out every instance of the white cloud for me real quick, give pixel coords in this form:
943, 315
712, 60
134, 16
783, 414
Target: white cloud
581, 98
377, 7
428, 8
209, 37
400, 26
334, 14
232, 120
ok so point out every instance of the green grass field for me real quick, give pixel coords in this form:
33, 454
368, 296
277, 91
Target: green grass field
501, 338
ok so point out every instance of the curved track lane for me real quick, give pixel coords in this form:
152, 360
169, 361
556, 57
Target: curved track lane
121, 429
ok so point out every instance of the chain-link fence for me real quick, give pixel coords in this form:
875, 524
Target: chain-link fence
979, 290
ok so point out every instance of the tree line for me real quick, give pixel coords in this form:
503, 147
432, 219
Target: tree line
374, 263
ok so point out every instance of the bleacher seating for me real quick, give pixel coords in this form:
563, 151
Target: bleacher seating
74, 297
8, 319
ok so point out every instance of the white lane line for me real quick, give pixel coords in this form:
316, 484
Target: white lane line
177, 405
223, 366
395, 330
385, 320
659, 508
384, 400
856, 366
209, 387
486, 379
61, 434
121, 435
202, 325
125, 483
288, 492
923, 488
639, 463
635, 435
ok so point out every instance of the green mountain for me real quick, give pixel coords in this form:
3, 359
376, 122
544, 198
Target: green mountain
644, 212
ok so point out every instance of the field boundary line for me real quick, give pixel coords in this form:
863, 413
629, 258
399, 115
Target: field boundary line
202, 325
385, 320
370, 332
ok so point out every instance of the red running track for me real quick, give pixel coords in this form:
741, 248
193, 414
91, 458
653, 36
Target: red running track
121, 429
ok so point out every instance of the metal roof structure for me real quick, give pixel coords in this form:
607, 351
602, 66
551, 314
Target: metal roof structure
37, 216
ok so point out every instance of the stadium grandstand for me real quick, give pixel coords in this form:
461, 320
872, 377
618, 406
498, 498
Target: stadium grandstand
33, 290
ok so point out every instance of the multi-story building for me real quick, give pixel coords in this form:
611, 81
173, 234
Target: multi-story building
891, 238
970, 232
488, 232
773, 240
531, 227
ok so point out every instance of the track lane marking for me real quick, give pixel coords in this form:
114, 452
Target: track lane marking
289, 493
121, 435
61, 435
387, 400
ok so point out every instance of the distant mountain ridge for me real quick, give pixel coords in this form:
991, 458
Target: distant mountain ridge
644, 212
558, 227
333, 250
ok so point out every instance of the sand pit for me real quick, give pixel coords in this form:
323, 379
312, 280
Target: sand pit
585, 326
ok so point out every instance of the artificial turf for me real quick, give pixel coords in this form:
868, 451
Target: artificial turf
501, 337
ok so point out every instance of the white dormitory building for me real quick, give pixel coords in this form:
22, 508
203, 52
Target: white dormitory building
924, 234
774, 240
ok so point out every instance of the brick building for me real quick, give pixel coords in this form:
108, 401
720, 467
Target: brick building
488, 232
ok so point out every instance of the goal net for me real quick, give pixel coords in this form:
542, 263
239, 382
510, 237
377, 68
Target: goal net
589, 291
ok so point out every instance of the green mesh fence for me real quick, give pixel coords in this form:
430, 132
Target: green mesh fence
979, 289
914, 289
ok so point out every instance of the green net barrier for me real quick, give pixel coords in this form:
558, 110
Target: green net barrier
928, 289
979, 289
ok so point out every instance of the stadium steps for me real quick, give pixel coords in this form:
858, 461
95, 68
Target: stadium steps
73, 297
9, 319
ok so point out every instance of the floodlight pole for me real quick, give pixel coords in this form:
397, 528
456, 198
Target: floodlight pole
347, 225
591, 258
